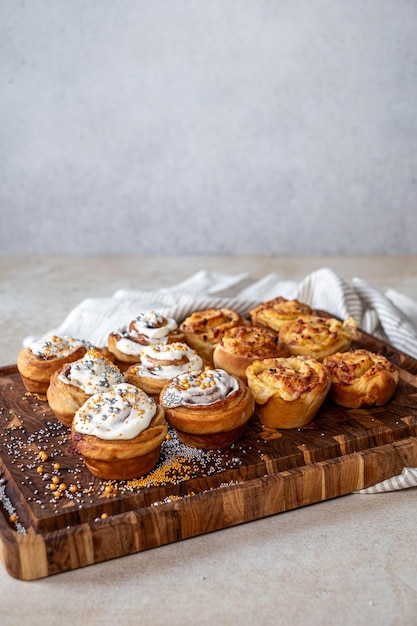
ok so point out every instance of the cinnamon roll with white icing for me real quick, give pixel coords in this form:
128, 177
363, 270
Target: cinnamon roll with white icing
74, 383
148, 328
37, 362
209, 408
160, 363
288, 391
119, 433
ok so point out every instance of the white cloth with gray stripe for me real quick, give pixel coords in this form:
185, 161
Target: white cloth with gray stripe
390, 316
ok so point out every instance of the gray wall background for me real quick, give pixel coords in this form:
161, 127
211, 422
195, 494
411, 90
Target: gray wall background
277, 127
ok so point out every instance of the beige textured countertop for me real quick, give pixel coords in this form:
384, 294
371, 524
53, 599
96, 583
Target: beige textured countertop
352, 560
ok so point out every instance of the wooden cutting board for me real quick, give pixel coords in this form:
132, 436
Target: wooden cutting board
190, 492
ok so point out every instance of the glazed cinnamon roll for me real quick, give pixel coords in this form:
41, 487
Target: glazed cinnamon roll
74, 383
43, 357
160, 363
317, 336
204, 329
242, 345
209, 409
119, 433
148, 328
277, 312
288, 391
361, 379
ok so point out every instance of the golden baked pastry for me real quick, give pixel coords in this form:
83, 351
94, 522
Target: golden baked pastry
316, 336
74, 383
277, 312
204, 329
43, 357
148, 328
242, 345
160, 363
119, 433
288, 391
209, 409
361, 378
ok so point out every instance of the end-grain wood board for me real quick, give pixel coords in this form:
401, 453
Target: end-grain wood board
190, 492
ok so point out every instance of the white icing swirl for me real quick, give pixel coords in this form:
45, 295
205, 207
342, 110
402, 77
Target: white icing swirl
92, 373
154, 325
177, 351
150, 324
55, 346
121, 413
202, 387
129, 347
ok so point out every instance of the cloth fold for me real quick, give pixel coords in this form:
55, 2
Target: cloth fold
405, 480
390, 316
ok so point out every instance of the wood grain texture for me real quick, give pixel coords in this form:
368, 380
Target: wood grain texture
190, 492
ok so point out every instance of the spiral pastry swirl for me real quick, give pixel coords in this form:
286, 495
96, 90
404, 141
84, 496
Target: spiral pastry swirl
317, 336
161, 363
148, 328
242, 345
202, 387
204, 329
75, 382
288, 391
43, 357
119, 433
277, 312
208, 409
361, 379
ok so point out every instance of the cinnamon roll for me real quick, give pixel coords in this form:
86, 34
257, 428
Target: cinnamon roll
277, 312
209, 409
288, 391
361, 379
119, 433
148, 328
242, 345
204, 329
74, 383
43, 357
160, 363
318, 337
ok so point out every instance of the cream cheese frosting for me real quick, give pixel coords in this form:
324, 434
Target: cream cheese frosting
92, 373
201, 387
182, 359
123, 412
129, 347
150, 324
56, 346
154, 325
